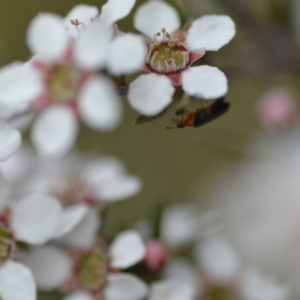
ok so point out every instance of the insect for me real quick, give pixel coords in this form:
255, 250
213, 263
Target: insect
202, 115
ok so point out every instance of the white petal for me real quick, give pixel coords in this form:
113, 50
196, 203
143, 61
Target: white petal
35, 219
119, 188
150, 94
125, 287
255, 286
10, 141
20, 84
115, 10
179, 224
84, 14
217, 259
46, 34
16, 282
54, 131
153, 16
204, 82
127, 54
83, 235
127, 249
79, 296
91, 47
71, 217
99, 105
103, 169
50, 266
172, 289
184, 271
210, 32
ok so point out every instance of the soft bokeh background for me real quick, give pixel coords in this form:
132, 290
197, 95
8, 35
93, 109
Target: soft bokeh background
174, 163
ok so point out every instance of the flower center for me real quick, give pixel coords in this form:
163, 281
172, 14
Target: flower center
167, 54
7, 243
219, 293
93, 270
74, 190
63, 82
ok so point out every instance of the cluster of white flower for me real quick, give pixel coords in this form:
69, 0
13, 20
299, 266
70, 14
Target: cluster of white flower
52, 209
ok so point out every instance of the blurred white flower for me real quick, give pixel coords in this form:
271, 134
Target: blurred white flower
182, 224
33, 220
261, 198
92, 272
78, 184
222, 275
60, 81
170, 56
171, 289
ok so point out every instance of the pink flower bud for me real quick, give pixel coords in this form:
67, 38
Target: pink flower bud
276, 109
157, 255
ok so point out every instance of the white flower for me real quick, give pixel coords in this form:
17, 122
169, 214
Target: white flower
51, 268
170, 58
60, 81
34, 220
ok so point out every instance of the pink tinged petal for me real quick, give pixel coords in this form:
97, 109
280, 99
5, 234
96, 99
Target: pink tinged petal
204, 82
126, 287
79, 296
91, 47
35, 219
50, 266
210, 32
99, 106
71, 217
16, 282
176, 78
127, 249
47, 34
217, 259
84, 14
152, 16
196, 55
83, 235
54, 131
172, 289
115, 10
119, 188
127, 54
10, 141
20, 84
150, 94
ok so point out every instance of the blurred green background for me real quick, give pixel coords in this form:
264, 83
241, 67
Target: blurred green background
174, 163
